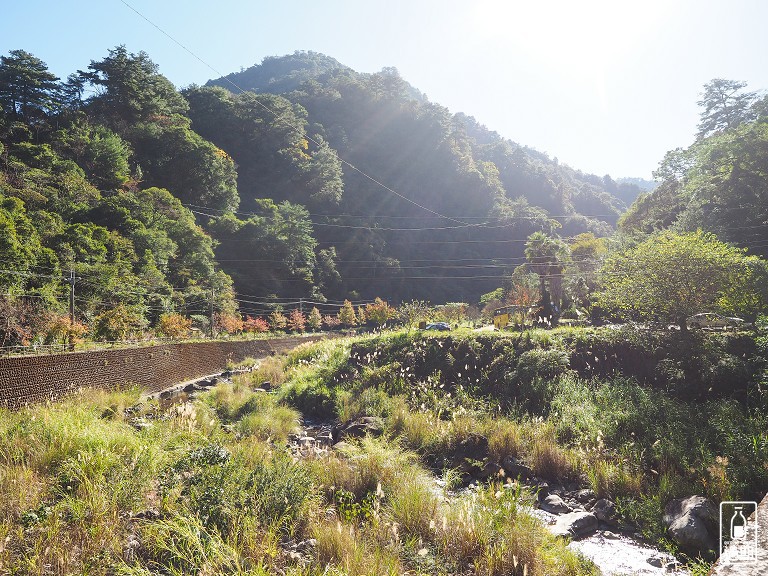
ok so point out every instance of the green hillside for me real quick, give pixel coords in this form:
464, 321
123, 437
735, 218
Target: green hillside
317, 184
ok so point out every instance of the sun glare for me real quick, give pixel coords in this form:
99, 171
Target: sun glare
581, 37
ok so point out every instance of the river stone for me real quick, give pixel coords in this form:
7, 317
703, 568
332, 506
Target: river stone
692, 523
554, 504
586, 495
605, 510
575, 525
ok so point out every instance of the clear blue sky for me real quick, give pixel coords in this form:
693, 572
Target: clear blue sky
606, 86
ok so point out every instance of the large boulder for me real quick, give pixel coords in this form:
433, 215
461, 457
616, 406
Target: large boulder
575, 525
555, 505
692, 522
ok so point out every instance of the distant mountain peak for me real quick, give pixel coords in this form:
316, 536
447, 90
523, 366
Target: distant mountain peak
281, 74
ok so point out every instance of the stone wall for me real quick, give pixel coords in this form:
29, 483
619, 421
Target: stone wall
33, 379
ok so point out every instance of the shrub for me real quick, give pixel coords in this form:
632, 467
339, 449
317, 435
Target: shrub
174, 325
255, 325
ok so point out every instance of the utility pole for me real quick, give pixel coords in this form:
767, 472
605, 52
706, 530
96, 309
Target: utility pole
213, 295
71, 281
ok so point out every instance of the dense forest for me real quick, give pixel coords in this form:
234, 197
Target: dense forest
300, 179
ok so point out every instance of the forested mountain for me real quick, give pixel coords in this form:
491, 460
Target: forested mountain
320, 183
426, 204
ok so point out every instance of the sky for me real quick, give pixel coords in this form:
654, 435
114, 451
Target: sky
604, 86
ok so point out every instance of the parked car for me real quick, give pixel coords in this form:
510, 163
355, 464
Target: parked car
441, 326
712, 320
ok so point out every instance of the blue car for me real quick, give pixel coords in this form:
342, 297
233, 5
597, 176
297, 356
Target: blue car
441, 326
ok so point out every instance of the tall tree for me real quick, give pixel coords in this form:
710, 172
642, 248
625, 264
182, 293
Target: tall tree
547, 257
27, 88
725, 106
130, 89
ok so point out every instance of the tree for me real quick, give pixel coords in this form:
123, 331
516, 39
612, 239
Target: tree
671, 276
454, 312
522, 287
27, 88
129, 89
118, 323
60, 328
379, 312
547, 257
297, 321
413, 312
228, 322
331, 321
278, 321
725, 106
255, 325
173, 325
314, 320
347, 314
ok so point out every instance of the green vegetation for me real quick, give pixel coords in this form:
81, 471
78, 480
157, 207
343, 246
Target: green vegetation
134, 187
639, 416
202, 211
105, 483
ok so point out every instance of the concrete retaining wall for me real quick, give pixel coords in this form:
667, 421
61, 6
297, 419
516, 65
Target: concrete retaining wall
33, 379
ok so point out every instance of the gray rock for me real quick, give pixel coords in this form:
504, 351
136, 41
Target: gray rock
341, 445
657, 561
605, 510
554, 504
542, 488
131, 549
585, 495
692, 523
306, 545
575, 525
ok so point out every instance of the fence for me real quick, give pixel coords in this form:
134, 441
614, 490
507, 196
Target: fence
33, 379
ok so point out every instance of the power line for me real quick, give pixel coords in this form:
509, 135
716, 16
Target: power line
276, 116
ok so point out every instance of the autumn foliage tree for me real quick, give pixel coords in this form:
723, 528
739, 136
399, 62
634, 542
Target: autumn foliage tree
255, 325
174, 325
278, 321
297, 321
61, 329
228, 322
379, 312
